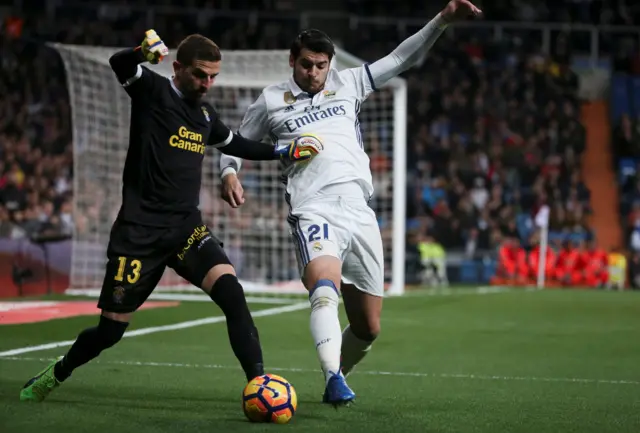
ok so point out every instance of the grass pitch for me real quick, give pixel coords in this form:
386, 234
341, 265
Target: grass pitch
517, 361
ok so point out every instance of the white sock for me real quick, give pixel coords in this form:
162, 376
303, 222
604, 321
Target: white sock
353, 350
325, 326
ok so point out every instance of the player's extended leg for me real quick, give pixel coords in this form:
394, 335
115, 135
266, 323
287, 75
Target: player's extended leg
129, 280
89, 344
363, 311
123, 296
222, 285
322, 279
320, 234
362, 288
202, 261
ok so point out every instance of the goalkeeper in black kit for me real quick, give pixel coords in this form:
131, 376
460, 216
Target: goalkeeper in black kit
159, 223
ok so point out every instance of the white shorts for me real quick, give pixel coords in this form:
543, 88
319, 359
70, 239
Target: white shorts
344, 230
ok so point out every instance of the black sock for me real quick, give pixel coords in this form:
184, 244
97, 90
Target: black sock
243, 335
88, 345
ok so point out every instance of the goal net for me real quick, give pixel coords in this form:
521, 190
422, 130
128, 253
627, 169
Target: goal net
256, 236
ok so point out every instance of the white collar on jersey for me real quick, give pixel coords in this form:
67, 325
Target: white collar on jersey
175, 89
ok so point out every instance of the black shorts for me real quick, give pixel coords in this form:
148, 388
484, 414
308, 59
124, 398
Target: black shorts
138, 255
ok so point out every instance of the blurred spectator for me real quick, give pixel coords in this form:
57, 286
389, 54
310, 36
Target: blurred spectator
626, 138
635, 237
617, 269
433, 261
634, 271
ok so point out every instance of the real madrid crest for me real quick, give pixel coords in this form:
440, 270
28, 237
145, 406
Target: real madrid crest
289, 98
206, 113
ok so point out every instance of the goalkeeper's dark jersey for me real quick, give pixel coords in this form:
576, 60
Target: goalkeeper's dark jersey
168, 135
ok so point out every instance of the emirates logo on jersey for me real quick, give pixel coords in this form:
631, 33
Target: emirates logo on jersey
316, 115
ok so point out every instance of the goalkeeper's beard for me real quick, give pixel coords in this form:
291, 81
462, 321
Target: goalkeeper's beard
199, 94
195, 94
190, 92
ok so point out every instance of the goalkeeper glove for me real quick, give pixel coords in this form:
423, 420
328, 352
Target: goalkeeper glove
153, 49
300, 149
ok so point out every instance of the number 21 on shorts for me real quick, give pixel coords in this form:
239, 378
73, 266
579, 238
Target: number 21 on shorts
131, 272
320, 241
314, 232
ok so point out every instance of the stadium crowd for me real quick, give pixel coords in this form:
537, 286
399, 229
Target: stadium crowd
626, 146
36, 165
494, 126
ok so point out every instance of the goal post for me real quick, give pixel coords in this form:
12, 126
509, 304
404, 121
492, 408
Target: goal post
256, 236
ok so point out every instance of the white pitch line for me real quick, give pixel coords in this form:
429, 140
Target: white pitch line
186, 297
154, 329
363, 372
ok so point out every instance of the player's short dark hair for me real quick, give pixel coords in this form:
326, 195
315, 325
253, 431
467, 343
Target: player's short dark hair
197, 47
314, 40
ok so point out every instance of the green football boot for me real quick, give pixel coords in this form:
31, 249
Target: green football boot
39, 386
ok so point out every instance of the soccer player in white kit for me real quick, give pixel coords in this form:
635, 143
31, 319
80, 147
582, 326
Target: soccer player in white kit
336, 233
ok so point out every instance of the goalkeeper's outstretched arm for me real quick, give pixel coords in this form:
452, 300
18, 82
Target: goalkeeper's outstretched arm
240, 147
409, 52
237, 146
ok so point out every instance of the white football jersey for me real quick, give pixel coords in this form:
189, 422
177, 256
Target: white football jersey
283, 112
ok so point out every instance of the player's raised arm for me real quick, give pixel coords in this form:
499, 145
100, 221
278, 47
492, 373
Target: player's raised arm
126, 63
411, 49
